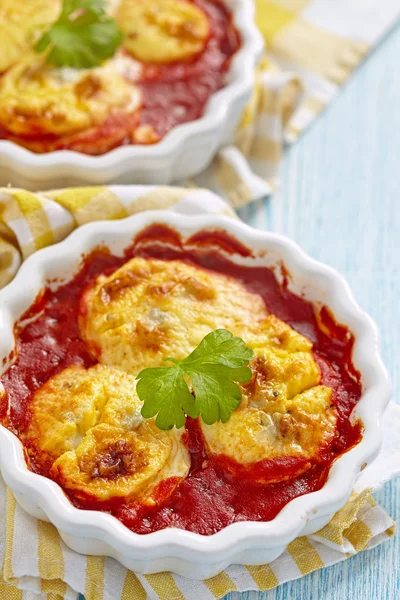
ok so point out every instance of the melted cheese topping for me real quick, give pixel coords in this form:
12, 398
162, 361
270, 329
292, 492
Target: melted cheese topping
87, 425
150, 309
284, 412
163, 31
283, 362
35, 97
18, 19
299, 427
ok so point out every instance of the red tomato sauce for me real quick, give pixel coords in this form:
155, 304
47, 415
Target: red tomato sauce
172, 94
216, 492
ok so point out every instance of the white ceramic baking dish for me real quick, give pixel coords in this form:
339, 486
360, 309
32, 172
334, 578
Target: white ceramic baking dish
184, 152
177, 550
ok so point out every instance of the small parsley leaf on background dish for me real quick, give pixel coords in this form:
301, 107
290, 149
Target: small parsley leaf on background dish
82, 37
214, 368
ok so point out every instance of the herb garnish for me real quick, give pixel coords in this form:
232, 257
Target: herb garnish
82, 37
213, 367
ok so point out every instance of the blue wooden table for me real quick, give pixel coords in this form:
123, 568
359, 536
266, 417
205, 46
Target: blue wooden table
340, 200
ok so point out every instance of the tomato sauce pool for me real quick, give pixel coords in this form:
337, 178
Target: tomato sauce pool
211, 497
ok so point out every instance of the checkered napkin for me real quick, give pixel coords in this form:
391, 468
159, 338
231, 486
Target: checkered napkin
312, 47
36, 563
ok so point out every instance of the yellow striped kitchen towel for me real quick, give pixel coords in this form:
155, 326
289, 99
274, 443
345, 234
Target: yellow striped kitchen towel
36, 560
29, 221
312, 47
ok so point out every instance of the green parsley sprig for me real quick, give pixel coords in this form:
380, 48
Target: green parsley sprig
82, 37
213, 367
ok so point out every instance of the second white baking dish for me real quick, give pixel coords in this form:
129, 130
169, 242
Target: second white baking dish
183, 153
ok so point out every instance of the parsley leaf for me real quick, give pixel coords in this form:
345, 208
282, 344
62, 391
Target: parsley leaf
82, 37
221, 347
70, 6
213, 367
216, 393
165, 391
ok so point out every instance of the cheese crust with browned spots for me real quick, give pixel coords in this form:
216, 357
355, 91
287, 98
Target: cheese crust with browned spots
87, 430
150, 309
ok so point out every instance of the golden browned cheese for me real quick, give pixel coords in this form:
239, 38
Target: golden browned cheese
162, 31
87, 425
284, 411
151, 309
299, 427
35, 97
21, 22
